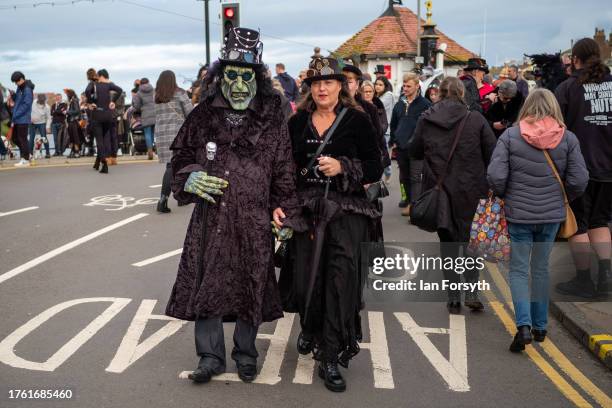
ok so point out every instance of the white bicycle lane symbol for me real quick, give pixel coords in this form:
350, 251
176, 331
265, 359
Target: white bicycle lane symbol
117, 202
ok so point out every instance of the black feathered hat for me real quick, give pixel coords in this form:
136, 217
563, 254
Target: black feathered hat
477, 63
349, 66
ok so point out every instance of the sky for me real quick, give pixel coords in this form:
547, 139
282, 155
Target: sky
54, 46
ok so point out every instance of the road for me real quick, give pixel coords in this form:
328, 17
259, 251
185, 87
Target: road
86, 268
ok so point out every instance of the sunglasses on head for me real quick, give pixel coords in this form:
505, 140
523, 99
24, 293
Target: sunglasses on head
233, 75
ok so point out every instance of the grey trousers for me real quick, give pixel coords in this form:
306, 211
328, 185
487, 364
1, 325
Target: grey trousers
210, 343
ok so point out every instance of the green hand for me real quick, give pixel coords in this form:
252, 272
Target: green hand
282, 234
203, 185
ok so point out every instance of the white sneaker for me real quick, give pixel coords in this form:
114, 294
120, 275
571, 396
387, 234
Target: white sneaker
22, 163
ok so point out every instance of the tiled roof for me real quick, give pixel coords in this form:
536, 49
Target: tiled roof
391, 35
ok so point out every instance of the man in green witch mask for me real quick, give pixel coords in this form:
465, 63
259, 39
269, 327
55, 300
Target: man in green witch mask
239, 86
226, 272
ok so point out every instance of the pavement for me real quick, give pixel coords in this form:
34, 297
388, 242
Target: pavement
86, 269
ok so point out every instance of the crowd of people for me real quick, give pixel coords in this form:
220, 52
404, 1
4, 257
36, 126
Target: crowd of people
313, 154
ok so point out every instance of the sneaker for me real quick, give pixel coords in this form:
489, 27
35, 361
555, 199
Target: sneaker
576, 287
22, 163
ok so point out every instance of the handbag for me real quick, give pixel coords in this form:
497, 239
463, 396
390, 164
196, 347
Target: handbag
431, 211
569, 227
489, 237
377, 190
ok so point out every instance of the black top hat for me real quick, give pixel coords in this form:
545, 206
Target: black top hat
350, 67
380, 69
321, 68
242, 47
477, 63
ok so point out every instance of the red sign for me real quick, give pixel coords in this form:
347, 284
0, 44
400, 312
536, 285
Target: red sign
388, 71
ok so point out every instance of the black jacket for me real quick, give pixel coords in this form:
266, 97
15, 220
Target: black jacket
354, 144
58, 112
465, 180
472, 95
498, 112
587, 112
372, 112
404, 120
291, 89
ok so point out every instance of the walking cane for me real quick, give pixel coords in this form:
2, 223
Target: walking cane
211, 150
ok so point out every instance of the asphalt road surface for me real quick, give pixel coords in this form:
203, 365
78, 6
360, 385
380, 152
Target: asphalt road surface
86, 269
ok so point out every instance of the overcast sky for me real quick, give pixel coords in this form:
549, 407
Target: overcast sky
54, 46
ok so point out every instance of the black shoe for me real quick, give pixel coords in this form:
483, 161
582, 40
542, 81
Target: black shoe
201, 375
583, 288
329, 372
247, 372
454, 307
47, 156
539, 335
403, 204
96, 165
162, 204
104, 169
305, 343
473, 302
522, 337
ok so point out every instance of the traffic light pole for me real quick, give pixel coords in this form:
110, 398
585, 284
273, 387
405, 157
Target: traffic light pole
207, 31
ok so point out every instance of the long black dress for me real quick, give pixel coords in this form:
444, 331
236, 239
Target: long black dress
334, 309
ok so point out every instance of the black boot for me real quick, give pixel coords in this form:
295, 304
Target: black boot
581, 286
329, 372
522, 337
104, 169
539, 335
96, 165
473, 302
304, 343
162, 204
247, 372
603, 278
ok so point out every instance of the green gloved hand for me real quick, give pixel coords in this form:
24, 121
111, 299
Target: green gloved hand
282, 234
203, 185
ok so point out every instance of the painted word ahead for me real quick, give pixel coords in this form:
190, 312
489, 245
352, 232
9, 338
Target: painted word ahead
454, 371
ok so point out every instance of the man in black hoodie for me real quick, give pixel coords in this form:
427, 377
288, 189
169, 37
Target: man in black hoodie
291, 89
586, 103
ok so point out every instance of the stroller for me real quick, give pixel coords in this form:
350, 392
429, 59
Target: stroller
136, 143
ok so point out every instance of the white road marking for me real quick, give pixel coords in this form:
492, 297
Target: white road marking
129, 350
304, 370
454, 372
55, 252
7, 346
158, 258
379, 351
18, 211
155, 186
273, 360
117, 202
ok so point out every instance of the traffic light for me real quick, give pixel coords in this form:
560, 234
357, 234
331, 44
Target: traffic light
230, 17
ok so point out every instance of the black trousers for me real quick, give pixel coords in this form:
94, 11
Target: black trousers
167, 180
113, 140
101, 124
20, 138
403, 162
210, 343
451, 249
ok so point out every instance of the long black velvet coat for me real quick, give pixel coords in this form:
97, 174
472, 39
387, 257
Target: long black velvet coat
256, 158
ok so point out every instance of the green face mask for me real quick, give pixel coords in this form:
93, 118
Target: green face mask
239, 86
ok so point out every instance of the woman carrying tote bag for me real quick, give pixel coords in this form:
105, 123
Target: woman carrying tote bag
527, 166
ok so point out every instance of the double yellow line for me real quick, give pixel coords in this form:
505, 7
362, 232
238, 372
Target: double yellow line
549, 348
